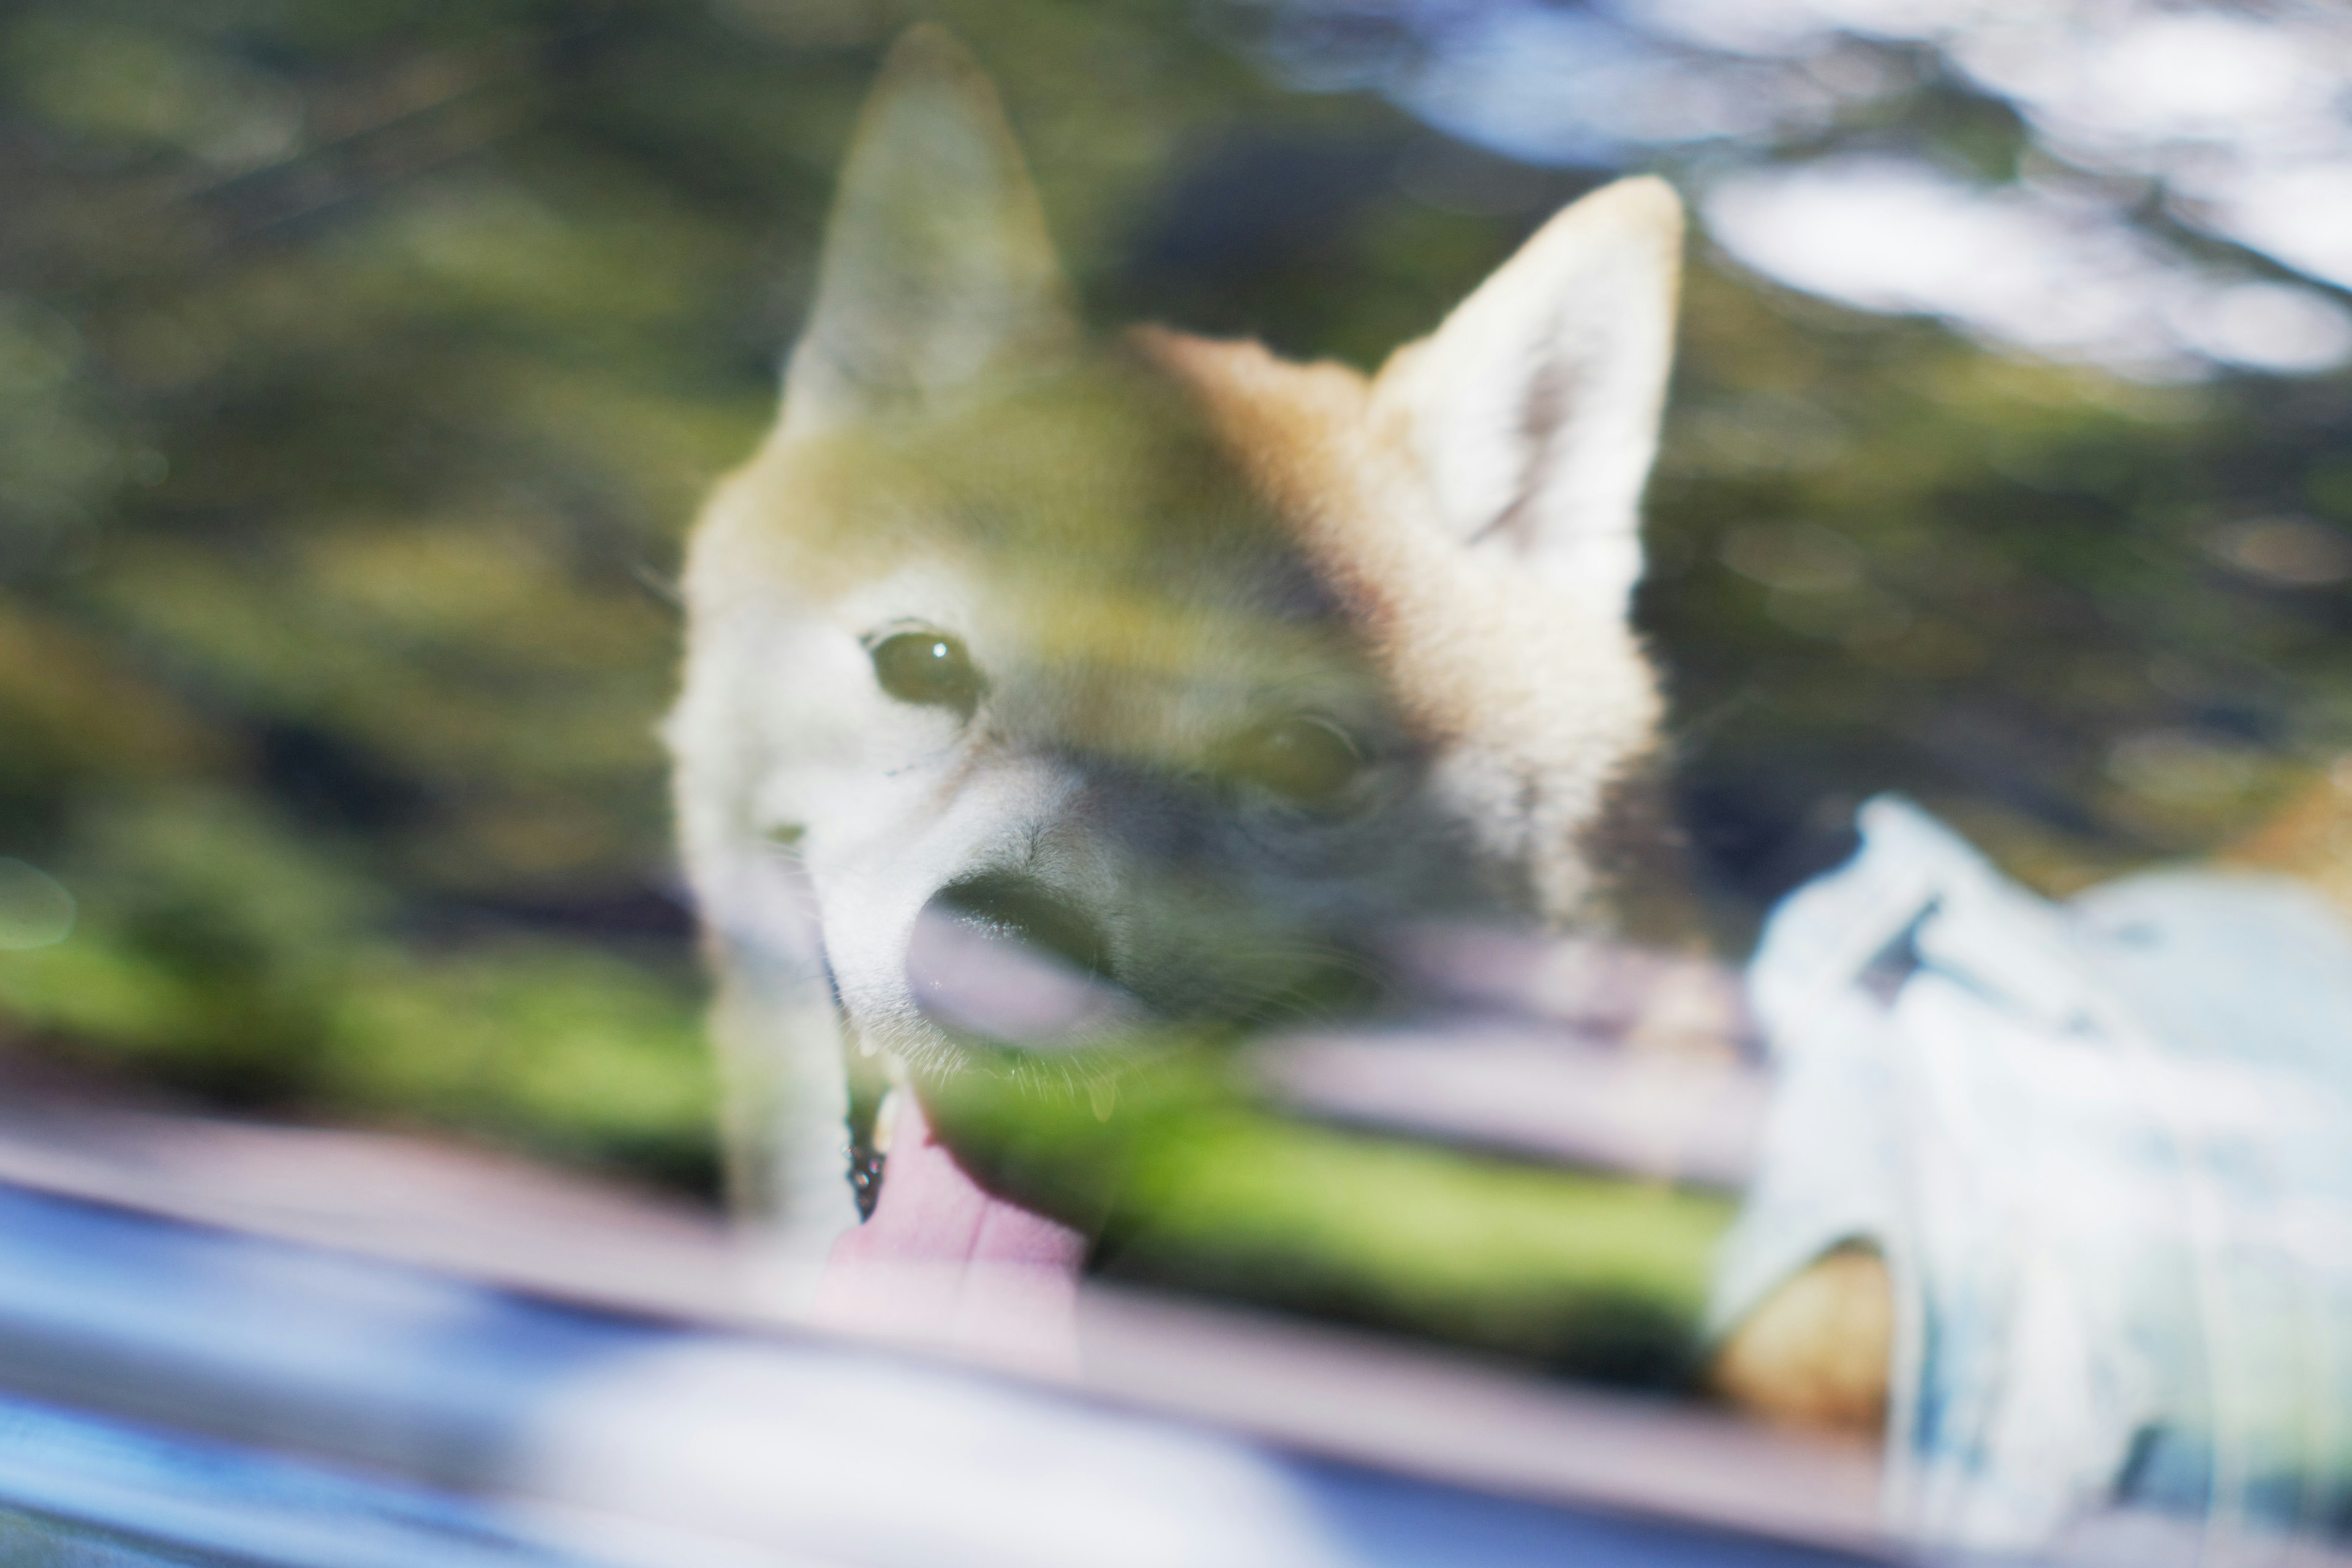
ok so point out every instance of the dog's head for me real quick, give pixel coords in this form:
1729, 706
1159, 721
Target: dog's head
1162, 661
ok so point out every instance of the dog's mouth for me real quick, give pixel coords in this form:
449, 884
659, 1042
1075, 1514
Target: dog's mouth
941, 1260
998, 966
994, 963
1010, 978
1017, 979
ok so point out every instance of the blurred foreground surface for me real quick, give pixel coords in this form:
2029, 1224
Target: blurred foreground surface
171, 1391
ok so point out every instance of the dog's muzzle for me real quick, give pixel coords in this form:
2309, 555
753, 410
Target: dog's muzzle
1002, 958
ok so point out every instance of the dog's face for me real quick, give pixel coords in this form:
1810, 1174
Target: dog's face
1176, 666
1046, 663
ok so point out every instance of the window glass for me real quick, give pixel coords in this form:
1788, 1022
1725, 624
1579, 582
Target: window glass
1666, 766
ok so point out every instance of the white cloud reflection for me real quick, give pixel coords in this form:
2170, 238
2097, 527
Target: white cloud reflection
1552, 85
2035, 267
2232, 124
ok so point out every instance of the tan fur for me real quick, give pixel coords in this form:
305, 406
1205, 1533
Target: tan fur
1472, 508
1533, 708
2310, 837
1817, 1351
1529, 672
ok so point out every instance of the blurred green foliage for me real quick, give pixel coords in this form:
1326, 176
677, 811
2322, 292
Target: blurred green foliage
1189, 1184
360, 365
2026, 595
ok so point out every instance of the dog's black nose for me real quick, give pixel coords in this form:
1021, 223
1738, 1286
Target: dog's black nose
1002, 955
1014, 908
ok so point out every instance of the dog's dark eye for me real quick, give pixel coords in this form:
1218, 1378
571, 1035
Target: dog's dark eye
928, 668
1310, 761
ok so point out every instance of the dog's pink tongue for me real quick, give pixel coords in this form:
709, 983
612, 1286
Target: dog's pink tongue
943, 1262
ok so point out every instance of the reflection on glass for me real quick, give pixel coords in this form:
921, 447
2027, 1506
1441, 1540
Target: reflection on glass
1313, 885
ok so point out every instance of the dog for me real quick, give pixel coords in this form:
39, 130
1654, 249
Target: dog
1042, 690
1158, 663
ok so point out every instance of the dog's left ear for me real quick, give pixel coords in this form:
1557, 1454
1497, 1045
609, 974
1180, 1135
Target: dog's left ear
937, 269
1534, 408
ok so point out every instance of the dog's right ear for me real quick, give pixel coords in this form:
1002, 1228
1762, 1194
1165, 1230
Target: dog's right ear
1534, 407
936, 267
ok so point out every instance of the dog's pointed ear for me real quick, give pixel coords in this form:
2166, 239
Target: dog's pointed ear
937, 266
1534, 408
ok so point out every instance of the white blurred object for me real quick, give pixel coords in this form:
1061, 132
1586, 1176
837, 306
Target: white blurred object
2022, 265
2106, 1149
